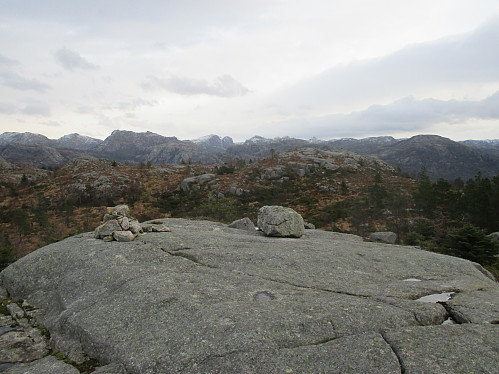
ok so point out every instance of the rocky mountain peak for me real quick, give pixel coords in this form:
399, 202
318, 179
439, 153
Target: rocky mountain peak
213, 143
24, 138
77, 141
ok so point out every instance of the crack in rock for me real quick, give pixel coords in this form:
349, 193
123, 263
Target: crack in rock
395, 352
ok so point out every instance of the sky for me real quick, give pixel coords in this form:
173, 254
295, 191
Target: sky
239, 68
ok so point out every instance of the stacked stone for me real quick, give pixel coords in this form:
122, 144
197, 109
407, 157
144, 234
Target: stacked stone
118, 225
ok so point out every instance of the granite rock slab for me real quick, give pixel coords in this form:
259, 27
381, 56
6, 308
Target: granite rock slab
206, 298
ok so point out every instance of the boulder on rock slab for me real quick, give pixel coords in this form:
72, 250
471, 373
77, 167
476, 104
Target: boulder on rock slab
243, 224
280, 221
384, 236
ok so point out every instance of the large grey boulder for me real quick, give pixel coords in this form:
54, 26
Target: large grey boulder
205, 298
280, 221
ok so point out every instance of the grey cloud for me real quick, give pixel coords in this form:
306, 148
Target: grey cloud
14, 80
223, 86
85, 109
71, 60
36, 109
468, 58
407, 114
7, 61
7, 108
51, 123
136, 103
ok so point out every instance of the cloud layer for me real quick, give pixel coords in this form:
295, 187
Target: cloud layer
223, 86
442, 65
246, 67
407, 114
71, 60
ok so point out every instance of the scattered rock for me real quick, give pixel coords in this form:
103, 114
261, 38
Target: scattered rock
155, 227
309, 226
123, 236
120, 211
134, 226
199, 180
107, 229
48, 364
118, 225
15, 311
17, 346
280, 221
243, 224
384, 236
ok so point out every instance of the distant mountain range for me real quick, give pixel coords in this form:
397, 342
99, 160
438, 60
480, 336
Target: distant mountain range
442, 157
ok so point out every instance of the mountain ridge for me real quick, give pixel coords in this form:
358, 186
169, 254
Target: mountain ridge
442, 157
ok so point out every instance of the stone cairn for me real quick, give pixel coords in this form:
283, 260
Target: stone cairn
120, 226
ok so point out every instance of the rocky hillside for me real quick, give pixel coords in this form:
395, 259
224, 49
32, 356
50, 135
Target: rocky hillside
443, 158
206, 298
52, 204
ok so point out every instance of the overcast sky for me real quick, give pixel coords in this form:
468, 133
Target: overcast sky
310, 68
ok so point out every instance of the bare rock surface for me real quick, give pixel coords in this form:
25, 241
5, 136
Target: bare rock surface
206, 298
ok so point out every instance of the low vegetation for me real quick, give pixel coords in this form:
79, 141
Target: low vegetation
450, 217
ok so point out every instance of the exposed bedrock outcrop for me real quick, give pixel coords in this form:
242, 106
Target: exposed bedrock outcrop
206, 298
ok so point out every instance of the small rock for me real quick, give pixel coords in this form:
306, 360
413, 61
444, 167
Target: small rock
15, 311
123, 236
384, 236
121, 210
160, 228
201, 179
309, 226
108, 238
17, 346
135, 227
48, 364
243, 224
107, 228
124, 223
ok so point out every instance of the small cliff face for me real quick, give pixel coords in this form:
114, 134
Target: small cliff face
206, 298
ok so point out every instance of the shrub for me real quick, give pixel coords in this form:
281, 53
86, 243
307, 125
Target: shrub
471, 243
